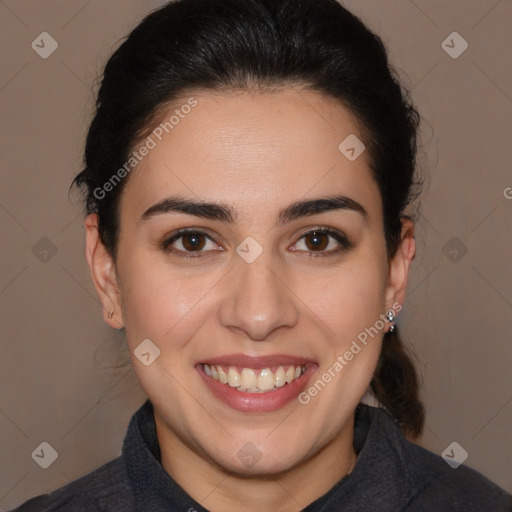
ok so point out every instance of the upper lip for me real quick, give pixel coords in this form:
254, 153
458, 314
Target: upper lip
257, 363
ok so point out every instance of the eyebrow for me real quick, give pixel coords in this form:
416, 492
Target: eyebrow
224, 213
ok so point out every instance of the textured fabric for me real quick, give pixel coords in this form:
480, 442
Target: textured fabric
391, 474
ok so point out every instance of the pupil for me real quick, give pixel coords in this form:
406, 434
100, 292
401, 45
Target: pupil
317, 240
193, 241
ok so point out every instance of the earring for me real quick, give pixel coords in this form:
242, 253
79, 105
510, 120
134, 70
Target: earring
391, 318
111, 314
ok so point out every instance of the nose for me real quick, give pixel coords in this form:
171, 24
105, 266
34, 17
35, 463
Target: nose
258, 300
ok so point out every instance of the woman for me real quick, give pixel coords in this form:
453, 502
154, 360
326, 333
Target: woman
247, 175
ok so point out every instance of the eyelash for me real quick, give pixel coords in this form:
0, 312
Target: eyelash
345, 244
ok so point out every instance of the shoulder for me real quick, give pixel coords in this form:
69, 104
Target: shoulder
434, 485
423, 480
105, 488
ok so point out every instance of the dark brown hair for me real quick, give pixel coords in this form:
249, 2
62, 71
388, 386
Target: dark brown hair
262, 44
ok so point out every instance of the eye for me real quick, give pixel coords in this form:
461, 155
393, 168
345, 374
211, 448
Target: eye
187, 241
324, 241
193, 242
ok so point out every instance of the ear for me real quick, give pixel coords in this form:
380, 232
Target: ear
103, 273
399, 265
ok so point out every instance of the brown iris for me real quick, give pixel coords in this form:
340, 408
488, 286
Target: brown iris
193, 241
316, 240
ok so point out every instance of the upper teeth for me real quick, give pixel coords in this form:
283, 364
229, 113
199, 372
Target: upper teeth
254, 381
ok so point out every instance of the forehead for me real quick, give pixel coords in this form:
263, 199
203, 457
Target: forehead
251, 150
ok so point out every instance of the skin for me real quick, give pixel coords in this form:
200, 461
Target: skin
258, 153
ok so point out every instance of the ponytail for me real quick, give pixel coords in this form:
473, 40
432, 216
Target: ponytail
395, 385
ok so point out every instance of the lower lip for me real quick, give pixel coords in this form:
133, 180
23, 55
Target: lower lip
257, 402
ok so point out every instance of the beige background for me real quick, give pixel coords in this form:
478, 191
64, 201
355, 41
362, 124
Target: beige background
62, 379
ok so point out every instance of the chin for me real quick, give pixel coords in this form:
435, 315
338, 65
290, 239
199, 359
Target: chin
259, 459
264, 468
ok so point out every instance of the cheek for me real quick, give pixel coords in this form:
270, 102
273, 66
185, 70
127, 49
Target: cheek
157, 299
349, 299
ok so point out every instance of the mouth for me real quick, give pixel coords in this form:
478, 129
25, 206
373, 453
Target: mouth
251, 384
251, 380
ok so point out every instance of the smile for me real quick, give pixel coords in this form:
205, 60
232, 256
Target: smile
252, 380
256, 384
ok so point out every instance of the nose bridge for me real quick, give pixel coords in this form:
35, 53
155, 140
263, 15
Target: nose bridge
257, 300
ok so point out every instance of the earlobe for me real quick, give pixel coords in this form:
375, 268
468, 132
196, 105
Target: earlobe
400, 263
103, 273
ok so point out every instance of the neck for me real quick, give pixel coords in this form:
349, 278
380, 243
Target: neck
219, 490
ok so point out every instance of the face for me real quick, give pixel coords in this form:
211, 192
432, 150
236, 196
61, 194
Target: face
252, 255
